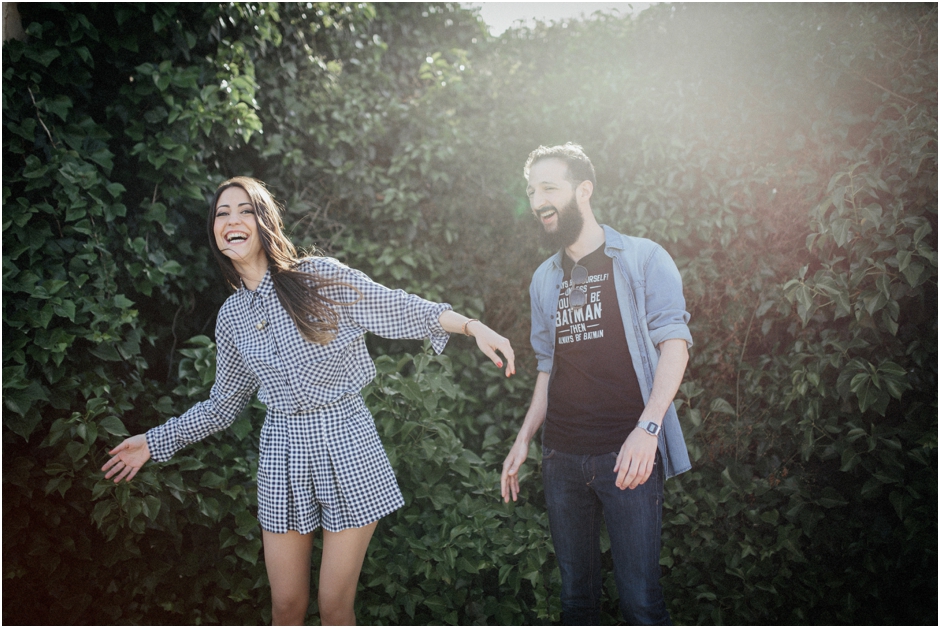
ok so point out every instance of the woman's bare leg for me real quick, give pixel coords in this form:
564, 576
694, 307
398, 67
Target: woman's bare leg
343, 553
287, 559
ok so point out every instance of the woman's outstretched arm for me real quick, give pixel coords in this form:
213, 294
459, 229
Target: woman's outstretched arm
488, 340
234, 384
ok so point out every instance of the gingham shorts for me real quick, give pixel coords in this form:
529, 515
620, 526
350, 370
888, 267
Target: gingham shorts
325, 467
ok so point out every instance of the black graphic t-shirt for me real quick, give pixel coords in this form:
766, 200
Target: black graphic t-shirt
594, 399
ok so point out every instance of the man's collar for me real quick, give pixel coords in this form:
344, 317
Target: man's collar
612, 238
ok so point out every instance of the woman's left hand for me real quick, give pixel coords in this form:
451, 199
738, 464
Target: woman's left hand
490, 342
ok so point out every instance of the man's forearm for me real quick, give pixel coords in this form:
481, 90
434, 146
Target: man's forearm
673, 358
537, 410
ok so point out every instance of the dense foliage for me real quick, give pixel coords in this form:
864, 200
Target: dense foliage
785, 155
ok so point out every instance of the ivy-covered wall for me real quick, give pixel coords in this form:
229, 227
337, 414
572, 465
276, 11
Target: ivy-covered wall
785, 155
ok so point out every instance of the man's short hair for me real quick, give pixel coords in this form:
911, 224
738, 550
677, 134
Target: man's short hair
579, 165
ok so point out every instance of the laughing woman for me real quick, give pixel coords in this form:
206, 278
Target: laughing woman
294, 331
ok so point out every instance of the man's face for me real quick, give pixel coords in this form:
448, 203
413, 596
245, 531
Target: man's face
553, 202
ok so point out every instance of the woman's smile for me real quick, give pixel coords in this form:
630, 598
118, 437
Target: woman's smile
236, 228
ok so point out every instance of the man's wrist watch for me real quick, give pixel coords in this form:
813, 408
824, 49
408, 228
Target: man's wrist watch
649, 427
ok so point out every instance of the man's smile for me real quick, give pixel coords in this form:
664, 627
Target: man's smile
545, 213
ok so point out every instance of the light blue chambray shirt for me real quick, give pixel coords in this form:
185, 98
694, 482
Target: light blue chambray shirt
649, 292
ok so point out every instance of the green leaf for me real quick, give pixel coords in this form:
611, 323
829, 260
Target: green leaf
913, 272
151, 507
242, 427
894, 378
720, 405
114, 426
188, 463
904, 259
44, 57
771, 517
101, 510
249, 550
922, 231
437, 604
841, 231
59, 105
106, 351
76, 450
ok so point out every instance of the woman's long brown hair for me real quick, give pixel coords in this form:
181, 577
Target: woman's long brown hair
298, 291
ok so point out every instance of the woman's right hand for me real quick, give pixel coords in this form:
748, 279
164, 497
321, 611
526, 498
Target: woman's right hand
127, 459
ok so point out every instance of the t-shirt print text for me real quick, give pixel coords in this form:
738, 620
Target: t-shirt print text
580, 324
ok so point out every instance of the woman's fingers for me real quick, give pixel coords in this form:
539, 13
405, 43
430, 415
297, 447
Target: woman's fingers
110, 463
127, 459
503, 346
510, 358
127, 474
115, 466
116, 455
123, 471
491, 354
490, 342
489, 350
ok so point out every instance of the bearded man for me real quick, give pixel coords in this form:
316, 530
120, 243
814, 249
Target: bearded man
609, 329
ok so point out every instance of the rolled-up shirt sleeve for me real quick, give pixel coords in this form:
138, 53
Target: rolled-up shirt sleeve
666, 316
234, 385
542, 334
385, 312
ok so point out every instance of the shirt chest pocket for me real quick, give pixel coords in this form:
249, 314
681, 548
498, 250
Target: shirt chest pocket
632, 293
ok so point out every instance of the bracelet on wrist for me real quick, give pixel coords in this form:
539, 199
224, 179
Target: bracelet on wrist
466, 331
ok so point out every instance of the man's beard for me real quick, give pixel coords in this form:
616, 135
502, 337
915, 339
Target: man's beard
568, 229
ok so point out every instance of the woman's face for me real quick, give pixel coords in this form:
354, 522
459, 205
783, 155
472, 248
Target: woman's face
236, 228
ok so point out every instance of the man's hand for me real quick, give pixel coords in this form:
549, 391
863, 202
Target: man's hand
509, 480
534, 417
635, 462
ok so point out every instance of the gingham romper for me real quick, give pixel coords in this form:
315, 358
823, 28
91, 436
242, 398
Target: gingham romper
321, 461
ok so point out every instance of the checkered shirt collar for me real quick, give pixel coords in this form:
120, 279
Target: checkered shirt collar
264, 288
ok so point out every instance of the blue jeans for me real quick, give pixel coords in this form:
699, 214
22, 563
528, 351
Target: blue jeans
579, 491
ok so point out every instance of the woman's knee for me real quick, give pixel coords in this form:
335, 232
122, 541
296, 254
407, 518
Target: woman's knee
335, 598
289, 607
